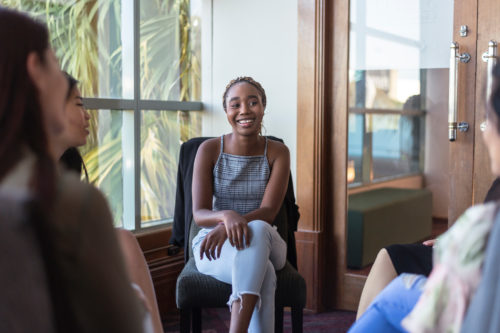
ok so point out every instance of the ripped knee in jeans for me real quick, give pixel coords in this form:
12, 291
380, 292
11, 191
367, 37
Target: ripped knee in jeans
239, 298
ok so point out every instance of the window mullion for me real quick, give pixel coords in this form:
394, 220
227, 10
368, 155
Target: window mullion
137, 114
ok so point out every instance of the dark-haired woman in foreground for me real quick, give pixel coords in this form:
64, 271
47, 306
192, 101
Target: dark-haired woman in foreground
239, 182
86, 276
439, 303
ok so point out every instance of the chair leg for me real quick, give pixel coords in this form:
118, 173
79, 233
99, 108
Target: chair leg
278, 319
196, 320
185, 324
297, 325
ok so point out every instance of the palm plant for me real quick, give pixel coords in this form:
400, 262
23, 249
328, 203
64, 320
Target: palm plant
87, 40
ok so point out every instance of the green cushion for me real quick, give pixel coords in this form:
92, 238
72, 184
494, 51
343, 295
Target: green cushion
385, 216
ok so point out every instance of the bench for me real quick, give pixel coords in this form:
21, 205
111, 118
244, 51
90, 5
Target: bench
385, 216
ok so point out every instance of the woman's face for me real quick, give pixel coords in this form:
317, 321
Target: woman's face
244, 109
52, 87
491, 138
77, 121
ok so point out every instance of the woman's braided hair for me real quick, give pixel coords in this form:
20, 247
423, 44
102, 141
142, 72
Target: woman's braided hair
246, 79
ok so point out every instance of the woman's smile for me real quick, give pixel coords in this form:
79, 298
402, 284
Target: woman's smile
246, 123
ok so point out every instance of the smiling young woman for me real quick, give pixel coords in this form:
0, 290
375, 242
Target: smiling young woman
239, 182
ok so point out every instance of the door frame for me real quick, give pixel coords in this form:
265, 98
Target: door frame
322, 149
322, 113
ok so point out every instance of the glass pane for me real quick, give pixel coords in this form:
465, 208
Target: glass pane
171, 55
355, 148
398, 92
89, 42
162, 133
103, 156
396, 145
390, 89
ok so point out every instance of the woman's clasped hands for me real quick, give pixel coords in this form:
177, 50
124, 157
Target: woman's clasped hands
233, 227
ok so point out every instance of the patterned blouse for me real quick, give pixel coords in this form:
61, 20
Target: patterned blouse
458, 257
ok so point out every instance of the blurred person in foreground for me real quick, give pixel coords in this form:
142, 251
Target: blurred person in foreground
86, 283
439, 303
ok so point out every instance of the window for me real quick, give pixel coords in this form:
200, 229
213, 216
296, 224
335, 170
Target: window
395, 92
138, 63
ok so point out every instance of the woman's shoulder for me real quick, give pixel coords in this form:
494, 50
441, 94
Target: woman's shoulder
276, 149
77, 201
210, 148
69, 185
210, 144
276, 146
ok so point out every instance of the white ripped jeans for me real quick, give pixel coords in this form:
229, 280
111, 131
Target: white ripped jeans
249, 271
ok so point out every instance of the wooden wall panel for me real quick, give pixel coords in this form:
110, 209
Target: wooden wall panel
308, 262
353, 284
165, 263
164, 274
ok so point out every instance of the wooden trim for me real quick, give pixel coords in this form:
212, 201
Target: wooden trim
388, 111
310, 112
337, 109
404, 182
354, 283
310, 146
150, 240
322, 109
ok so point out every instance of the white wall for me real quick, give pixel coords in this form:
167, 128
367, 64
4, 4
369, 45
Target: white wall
255, 38
436, 168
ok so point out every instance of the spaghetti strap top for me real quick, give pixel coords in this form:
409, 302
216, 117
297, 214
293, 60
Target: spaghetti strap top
239, 181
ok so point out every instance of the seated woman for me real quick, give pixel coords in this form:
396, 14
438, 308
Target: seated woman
64, 149
85, 274
239, 182
438, 303
397, 259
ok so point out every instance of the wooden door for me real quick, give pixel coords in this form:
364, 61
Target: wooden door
323, 112
470, 175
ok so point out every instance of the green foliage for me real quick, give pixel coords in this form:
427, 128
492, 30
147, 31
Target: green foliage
86, 35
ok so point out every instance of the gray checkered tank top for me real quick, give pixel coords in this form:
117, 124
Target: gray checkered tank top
239, 181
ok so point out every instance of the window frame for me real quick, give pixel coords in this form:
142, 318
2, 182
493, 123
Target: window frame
137, 105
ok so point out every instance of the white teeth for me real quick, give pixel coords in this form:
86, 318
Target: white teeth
245, 121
